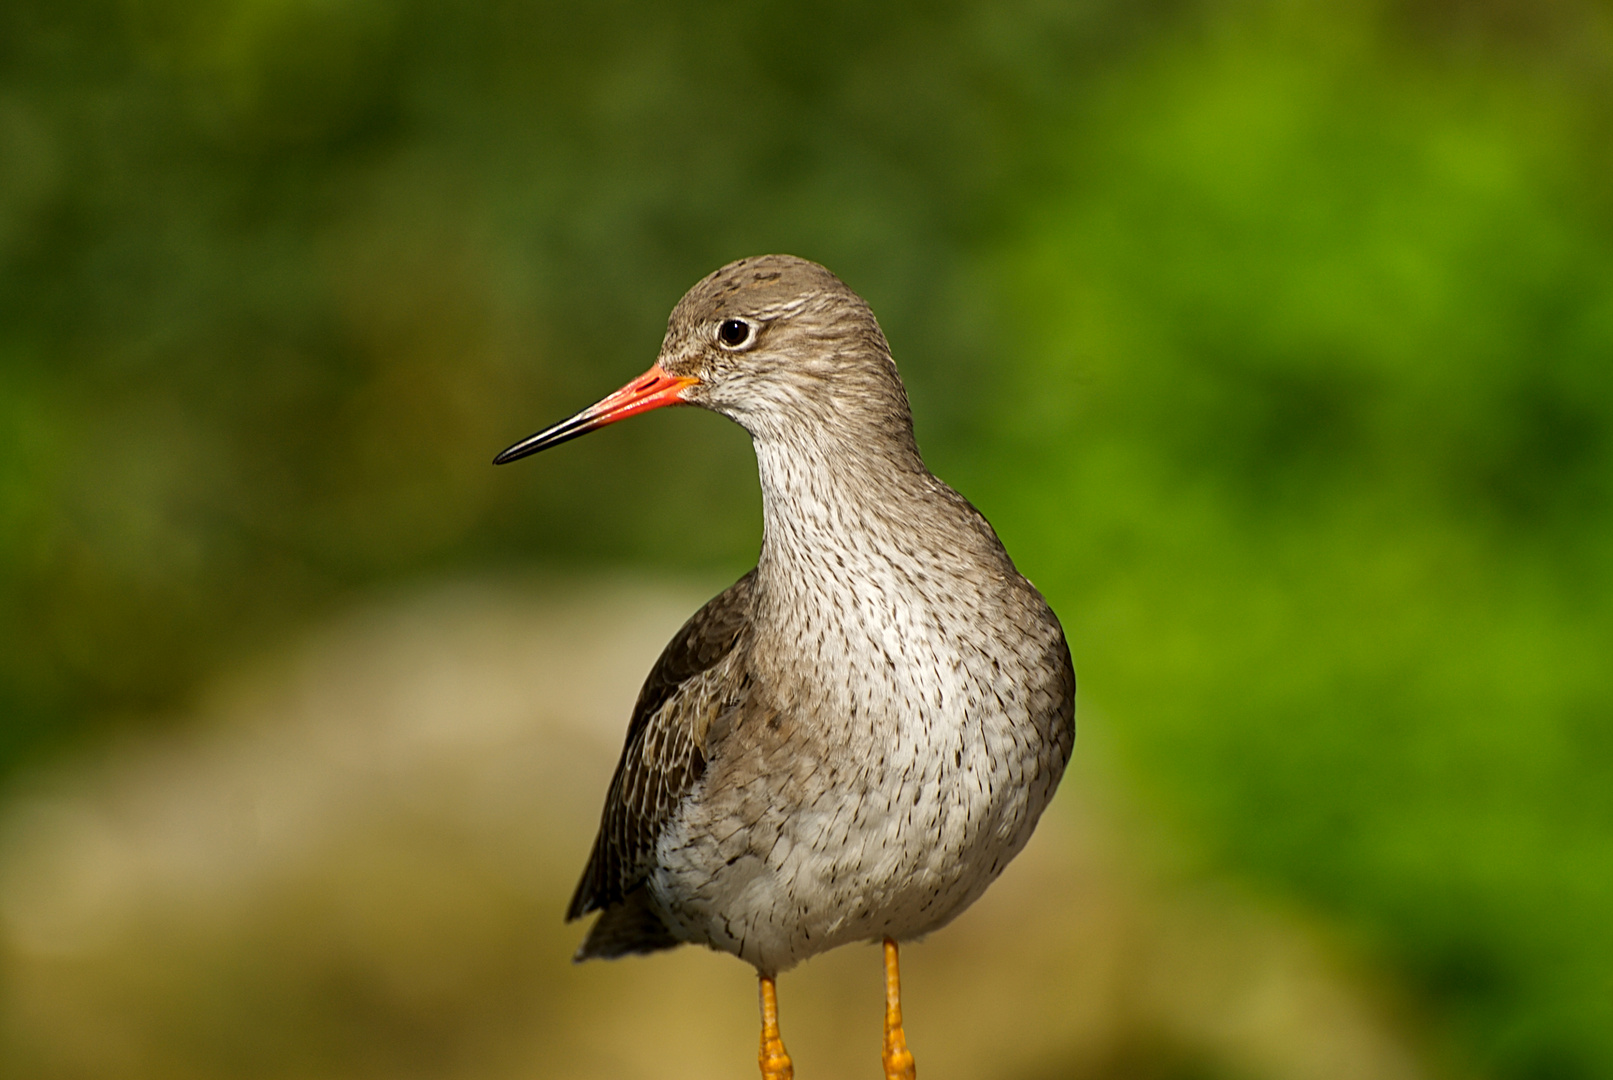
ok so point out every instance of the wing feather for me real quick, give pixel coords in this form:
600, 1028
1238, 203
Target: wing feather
664, 754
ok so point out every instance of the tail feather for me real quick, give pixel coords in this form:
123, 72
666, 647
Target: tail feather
629, 927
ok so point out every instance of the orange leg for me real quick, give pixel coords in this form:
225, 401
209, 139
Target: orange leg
773, 1058
898, 1061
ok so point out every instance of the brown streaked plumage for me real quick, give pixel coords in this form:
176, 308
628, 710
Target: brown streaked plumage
852, 741
663, 758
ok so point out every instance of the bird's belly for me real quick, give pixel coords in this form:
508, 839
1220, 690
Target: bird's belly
783, 854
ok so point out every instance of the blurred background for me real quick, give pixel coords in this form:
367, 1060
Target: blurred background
1276, 339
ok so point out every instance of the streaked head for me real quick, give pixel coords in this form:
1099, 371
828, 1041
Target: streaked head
773, 342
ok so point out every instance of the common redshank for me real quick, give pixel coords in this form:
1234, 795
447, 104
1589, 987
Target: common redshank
851, 741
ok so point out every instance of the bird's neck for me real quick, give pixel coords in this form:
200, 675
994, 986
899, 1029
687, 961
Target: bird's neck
865, 555
839, 510
828, 488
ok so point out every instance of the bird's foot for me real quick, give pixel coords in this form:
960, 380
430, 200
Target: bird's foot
898, 1060
773, 1058
775, 1062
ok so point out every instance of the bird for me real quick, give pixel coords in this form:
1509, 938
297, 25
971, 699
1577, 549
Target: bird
850, 742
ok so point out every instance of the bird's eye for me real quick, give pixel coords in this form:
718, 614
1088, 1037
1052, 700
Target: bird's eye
734, 332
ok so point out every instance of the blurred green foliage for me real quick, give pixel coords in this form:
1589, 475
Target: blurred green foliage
1276, 339
1316, 445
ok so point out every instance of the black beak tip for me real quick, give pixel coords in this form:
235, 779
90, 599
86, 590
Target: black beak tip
562, 432
517, 452
526, 447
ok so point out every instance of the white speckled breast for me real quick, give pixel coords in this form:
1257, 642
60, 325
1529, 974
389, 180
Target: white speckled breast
903, 720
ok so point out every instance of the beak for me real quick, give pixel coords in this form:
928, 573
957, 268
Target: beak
650, 390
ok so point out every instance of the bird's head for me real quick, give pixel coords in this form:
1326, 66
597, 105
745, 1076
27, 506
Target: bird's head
776, 343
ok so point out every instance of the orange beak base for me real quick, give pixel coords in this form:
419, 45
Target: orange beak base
650, 390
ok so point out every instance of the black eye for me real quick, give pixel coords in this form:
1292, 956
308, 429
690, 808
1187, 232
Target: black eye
733, 332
